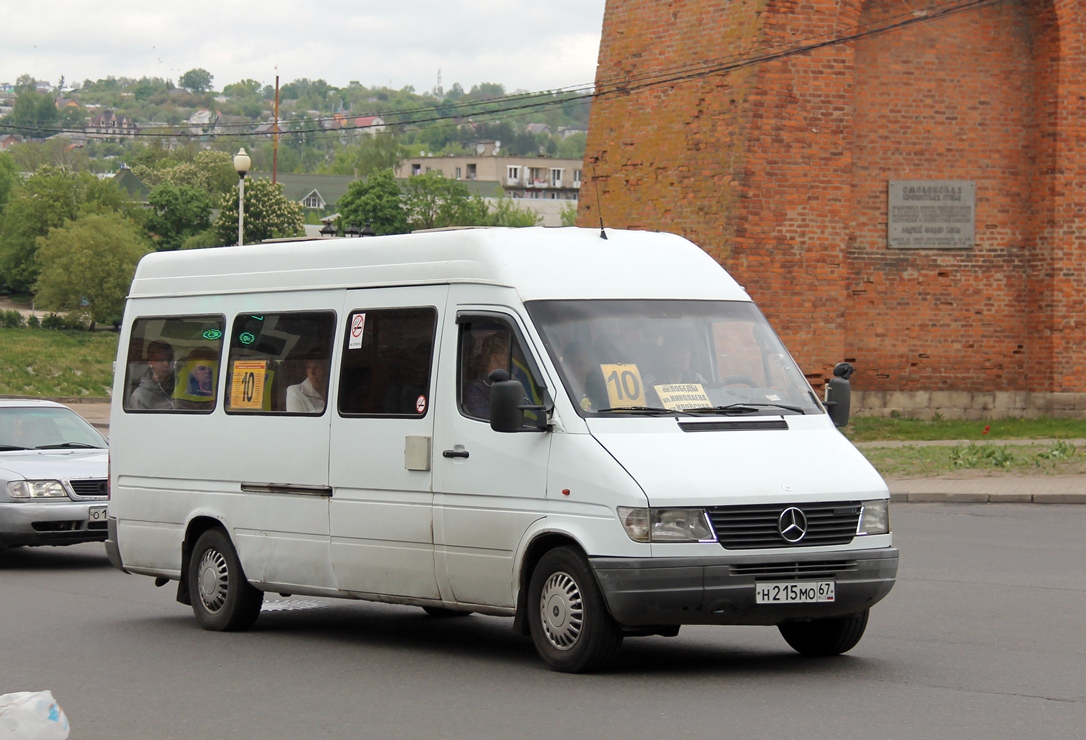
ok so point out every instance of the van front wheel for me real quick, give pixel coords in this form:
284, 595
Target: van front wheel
222, 600
825, 636
568, 620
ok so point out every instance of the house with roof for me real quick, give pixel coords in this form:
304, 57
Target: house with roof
107, 123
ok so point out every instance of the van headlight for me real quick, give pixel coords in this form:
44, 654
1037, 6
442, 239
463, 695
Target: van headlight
874, 517
24, 489
666, 525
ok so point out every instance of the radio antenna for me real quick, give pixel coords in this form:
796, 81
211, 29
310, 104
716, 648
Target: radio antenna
599, 208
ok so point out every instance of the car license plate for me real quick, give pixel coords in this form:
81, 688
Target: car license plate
96, 514
793, 592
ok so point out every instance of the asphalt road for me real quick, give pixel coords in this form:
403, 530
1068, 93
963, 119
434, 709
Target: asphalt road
984, 636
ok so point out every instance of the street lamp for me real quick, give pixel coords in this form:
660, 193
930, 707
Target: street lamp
241, 165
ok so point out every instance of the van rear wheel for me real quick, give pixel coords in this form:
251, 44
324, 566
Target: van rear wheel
567, 617
825, 636
222, 600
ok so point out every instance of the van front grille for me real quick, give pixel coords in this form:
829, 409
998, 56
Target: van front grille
806, 569
759, 526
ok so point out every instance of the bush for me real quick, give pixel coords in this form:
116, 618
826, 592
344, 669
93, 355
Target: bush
57, 321
11, 319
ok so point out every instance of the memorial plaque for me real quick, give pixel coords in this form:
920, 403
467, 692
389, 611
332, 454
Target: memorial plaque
931, 214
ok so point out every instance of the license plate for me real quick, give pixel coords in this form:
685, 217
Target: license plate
96, 514
793, 592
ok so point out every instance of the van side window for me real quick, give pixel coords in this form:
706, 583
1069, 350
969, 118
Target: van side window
387, 361
485, 345
279, 363
173, 364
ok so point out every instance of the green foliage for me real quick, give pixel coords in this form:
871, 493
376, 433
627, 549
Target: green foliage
30, 156
198, 80
34, 114
57, 363
268, 214
88, 264
210, 171
506, 212
376, 201
366, 155
433, 201
569, 214
985, 455
47, 200
177, 212
12, 319
9, 180
242, 88
203, 240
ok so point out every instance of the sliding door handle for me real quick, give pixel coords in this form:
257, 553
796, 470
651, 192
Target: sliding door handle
455, 453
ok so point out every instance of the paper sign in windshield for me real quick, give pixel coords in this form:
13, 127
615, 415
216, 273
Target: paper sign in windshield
624, 386
682, 396
247, 386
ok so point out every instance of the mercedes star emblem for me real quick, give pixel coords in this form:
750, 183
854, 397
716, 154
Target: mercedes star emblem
792, 524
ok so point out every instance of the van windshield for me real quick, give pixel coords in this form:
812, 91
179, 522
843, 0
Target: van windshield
633, 357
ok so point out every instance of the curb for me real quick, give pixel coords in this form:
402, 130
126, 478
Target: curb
967, 497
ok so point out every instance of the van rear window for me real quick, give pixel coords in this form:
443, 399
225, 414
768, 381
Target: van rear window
173, 364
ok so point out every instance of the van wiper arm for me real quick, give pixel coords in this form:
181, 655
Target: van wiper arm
12, 448
647, 410
69, 446
744, 408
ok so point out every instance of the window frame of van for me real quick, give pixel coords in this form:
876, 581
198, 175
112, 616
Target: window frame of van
344, 354
467, 316
130, 383
228, 380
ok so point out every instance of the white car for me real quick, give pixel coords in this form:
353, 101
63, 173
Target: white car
54, 475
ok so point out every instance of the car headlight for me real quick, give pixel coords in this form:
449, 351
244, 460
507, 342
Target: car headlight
874, 517
24, 489
666, 525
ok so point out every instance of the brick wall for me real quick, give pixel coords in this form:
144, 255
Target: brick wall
780, 171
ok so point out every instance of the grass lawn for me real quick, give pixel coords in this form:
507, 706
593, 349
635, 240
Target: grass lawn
870, 429
971, 460
52, 363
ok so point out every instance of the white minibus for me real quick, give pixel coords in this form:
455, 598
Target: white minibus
595, 433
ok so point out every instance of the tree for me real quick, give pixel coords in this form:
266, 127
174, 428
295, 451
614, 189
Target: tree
88, 266
376, 201
370, 154
58, 152
433, 201
197, 80
46, 200
9, 178
506, 212
33, 114
178, 212
268, 214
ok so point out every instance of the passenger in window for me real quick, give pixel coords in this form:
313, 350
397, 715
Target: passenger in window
155, 388
494, 356
307, 397
197, 389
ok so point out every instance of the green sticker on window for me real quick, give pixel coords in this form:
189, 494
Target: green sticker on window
212, 334
246, 338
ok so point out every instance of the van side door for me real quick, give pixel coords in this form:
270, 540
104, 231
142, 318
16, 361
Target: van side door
380, 462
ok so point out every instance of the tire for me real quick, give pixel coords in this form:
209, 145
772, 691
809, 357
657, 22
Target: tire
442, 613
222, 600
825, 636
567, 617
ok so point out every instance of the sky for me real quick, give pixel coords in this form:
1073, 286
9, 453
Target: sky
522, 44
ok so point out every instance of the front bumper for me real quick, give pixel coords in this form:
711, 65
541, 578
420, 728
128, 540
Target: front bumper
58, 522
644, 592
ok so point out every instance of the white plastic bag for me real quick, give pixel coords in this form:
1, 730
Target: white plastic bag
32, 715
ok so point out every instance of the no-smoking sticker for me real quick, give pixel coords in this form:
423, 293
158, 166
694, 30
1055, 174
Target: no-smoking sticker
420, 404
358, 325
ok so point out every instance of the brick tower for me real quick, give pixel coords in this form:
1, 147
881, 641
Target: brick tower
713, 121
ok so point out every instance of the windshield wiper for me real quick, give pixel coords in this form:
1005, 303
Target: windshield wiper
11, 448
69, 446
649, 410
744, 408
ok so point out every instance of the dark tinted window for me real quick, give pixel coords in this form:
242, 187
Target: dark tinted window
173, 364
387, 358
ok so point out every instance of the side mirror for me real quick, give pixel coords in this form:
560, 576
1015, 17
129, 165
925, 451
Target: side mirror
839, 394
507, 404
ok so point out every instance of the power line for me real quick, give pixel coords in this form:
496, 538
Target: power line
518, 104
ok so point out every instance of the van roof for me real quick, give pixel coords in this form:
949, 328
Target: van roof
540, 263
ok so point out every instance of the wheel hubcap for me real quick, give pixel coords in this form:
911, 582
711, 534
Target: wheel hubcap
213, 580
562, 611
